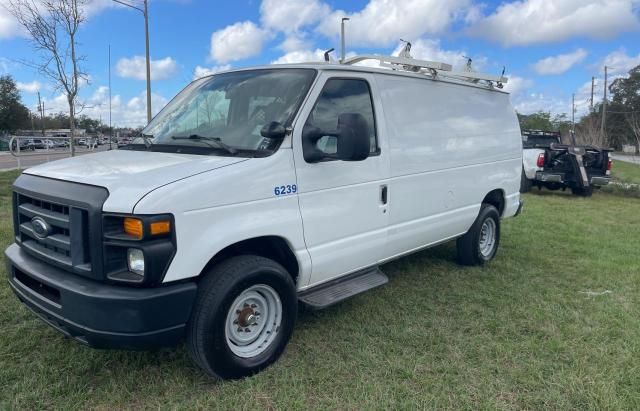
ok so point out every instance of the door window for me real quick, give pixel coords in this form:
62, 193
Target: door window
342, 96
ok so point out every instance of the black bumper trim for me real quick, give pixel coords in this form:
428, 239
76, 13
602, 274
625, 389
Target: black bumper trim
101, 315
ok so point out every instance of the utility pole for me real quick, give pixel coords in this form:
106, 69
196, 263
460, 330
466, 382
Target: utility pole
573, 113
342, 51
604, 106
593, 79
41, 109
110, 129
146, 33
145, 13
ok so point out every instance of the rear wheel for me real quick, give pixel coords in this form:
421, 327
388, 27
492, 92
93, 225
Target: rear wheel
243, 317
480, 244
582, 192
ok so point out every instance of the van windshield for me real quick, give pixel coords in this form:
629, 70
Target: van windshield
223, 114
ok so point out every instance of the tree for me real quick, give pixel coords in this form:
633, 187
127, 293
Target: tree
588, 130
624, 109
53, 26
13, 114
536, 121
633, 119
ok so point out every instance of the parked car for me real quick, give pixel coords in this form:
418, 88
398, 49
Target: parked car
38, 143
580, 168
25, 144
215, 232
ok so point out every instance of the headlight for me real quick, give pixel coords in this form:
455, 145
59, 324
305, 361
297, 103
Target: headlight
135, 261
138, 248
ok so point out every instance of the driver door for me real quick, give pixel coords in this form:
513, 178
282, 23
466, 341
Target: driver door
344, 204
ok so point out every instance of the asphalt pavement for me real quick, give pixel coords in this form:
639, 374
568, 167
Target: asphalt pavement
32, 158
626, 158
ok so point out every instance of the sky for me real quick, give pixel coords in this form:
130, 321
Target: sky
550, 48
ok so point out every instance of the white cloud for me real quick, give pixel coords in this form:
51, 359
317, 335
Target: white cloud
517, 85
9, 27
546, 21
429, 49
135, 67
294, 42
300, 56
383, 22
291, 15
534, 102
32, 87
560, 63
200, 71
124, 113
619, 62
237, 41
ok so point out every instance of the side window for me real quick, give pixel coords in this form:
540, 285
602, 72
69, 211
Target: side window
342, 96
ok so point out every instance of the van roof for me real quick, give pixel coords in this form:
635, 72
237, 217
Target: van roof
335, 66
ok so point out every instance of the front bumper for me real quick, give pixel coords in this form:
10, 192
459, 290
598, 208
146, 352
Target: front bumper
97, 314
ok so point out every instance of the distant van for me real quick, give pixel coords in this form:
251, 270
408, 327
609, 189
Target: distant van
257, 190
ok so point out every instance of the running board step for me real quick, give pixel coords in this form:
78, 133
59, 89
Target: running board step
340, 289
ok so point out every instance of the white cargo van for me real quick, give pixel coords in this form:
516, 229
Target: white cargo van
256, 190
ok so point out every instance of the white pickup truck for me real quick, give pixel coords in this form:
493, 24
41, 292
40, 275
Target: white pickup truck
533, 149
256, 190
550, 164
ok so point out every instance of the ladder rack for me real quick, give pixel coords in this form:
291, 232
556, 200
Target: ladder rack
433, 68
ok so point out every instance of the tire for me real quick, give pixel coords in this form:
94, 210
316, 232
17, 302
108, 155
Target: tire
472, 249
525, 183
582, 192
230, 296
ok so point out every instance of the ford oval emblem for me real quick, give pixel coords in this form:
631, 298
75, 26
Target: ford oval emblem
41, 228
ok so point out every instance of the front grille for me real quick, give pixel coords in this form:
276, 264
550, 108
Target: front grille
65, 244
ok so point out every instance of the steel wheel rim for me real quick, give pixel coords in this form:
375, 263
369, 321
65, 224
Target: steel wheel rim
253, 321
487, 237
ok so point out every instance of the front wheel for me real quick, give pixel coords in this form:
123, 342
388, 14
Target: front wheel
480, 244
243, 317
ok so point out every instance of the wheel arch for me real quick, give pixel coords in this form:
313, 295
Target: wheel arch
497, 199
273, 247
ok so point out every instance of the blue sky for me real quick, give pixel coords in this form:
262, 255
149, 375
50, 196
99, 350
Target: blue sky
550, 48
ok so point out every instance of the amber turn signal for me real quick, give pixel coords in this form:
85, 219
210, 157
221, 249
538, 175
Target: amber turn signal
133, 227
160, 227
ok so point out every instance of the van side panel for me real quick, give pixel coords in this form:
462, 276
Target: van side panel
450, 145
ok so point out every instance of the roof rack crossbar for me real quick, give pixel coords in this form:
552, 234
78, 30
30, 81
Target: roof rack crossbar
432, 68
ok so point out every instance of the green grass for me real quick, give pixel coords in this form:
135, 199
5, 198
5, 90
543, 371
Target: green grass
518, 333
626, 172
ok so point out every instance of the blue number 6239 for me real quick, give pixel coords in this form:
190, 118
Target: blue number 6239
284, 190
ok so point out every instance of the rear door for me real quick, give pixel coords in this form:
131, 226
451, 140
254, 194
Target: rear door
343, 203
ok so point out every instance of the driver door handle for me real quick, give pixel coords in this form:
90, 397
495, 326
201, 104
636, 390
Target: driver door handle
383, 194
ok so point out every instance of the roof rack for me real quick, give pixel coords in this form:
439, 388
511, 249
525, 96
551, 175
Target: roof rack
433, 68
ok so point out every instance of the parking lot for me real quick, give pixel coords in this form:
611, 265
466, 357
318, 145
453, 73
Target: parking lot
32, 158
552, 322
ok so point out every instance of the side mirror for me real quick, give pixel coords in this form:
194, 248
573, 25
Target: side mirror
273, 131
353, 141
352, 137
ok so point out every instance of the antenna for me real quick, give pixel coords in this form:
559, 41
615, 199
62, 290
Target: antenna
342, 52
468, 65
326, 54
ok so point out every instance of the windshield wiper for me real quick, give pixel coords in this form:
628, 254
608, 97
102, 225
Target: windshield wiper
204, 139
147, 140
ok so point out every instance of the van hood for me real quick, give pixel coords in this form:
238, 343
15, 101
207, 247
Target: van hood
129, 175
